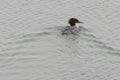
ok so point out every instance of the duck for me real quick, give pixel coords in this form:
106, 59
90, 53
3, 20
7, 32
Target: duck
72, 28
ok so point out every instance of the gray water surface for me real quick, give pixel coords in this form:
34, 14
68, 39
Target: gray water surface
32, 47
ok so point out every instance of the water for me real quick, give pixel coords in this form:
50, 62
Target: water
32, 47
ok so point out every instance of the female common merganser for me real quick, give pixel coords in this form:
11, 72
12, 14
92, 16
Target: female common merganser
72, 29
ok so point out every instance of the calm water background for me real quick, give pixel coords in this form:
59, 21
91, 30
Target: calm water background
32, 47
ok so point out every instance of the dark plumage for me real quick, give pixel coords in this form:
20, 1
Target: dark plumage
73, 21
72, 28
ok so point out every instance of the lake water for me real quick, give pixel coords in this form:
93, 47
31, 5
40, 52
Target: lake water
32, 47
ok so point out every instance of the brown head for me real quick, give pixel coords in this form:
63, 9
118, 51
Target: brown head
73, 21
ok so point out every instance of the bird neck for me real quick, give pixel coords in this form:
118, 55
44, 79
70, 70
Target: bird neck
72, 24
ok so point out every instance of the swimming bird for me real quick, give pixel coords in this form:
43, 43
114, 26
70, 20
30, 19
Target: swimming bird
71, 29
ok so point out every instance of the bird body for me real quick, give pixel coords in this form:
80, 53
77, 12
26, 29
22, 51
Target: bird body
72, 29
